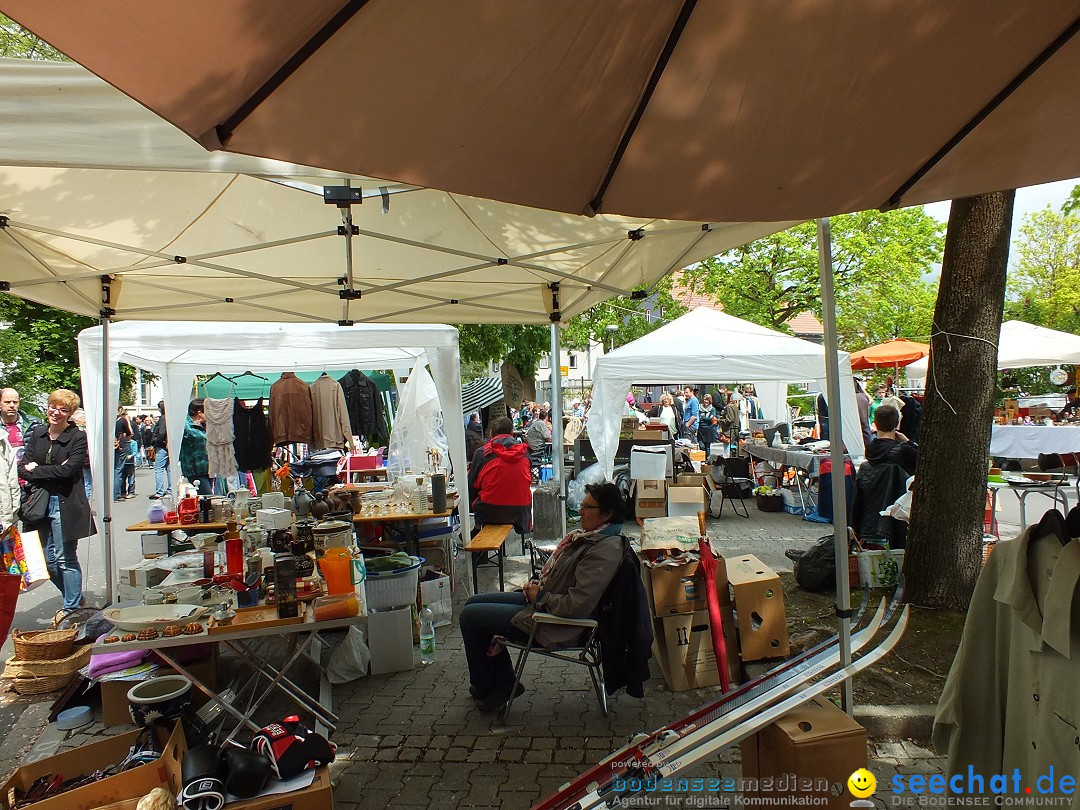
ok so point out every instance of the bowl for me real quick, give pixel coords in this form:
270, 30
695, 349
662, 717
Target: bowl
164, 698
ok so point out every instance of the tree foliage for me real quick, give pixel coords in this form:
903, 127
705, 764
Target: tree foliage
881, 261
1044, 284
633, 318
520, 345
18, 43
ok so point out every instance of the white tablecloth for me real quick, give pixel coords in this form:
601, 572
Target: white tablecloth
1027, 441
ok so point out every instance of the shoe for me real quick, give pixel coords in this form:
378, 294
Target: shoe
498, 698
478, 693
155, 496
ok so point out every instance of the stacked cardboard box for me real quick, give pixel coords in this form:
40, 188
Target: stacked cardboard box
682, 636
759, 607
810, 751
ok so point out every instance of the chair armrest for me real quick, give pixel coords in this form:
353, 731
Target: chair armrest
548, 618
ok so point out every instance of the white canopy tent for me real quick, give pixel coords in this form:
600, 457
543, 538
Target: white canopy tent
178, 351
93, 184
706, 344
1021, 345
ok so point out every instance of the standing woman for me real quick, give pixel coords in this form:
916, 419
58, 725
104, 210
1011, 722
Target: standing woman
707, 419
53, 460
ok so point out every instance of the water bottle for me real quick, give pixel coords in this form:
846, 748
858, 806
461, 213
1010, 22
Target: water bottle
427, 636
419, 497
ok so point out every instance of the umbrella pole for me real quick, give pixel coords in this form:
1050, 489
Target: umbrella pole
104, 487
836, 453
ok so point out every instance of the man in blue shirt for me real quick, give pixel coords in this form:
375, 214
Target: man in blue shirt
691, 410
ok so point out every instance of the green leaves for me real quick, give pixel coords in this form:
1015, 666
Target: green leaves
1044, 283
881, 261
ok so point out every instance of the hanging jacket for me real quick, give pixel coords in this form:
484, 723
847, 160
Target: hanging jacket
877, 486
624, 627
291, 411
365, 407
194, 463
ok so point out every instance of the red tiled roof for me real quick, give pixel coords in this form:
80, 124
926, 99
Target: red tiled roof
806, 323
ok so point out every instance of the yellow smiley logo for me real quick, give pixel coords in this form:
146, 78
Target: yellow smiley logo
861, 783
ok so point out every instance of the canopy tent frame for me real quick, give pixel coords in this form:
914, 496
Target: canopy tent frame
178, 351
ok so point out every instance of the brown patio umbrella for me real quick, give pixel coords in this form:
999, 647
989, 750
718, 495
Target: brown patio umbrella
731, 110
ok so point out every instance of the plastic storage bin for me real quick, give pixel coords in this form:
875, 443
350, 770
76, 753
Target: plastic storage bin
388, 589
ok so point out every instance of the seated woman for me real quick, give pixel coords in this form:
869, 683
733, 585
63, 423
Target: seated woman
570, 585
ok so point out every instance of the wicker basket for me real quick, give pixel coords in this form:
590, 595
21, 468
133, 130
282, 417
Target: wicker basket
44, 645
38, 677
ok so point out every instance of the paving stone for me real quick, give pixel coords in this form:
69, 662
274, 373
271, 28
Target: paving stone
409, 754
386, 754
487, 742
417, 741
391, 741
456, 754
511, 755
516, 742
538, 757
442, 741
568, 756
539, 743
481, 755
434, 755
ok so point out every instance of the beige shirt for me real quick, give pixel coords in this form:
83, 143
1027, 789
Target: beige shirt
330, 414
1012, 698
9, 481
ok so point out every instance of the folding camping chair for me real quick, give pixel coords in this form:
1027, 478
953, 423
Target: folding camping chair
735, 484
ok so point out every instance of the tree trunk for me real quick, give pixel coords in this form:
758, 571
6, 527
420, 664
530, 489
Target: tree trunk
943, 551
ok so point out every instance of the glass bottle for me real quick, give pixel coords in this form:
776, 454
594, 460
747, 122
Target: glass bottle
427, 636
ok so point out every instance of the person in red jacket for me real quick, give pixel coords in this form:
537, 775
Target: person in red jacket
500, 479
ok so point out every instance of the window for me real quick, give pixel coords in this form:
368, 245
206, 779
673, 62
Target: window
571, 360
545, 361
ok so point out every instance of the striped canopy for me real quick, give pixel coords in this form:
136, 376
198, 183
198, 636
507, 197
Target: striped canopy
480, 393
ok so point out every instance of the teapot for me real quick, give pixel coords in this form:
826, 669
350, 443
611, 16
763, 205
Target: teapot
302, 501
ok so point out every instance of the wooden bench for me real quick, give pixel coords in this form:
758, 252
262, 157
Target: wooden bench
490, 538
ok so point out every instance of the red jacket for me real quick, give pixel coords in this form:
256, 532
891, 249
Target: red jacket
502, 477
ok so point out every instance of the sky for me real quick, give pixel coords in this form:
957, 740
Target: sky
1032, 198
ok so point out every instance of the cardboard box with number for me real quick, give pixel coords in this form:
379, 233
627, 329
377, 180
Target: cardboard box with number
650, 498
683, 647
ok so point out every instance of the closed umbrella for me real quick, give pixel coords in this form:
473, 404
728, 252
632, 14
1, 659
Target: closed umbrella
726, 110
716, 626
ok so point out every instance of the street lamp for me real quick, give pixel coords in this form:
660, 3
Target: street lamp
611, 328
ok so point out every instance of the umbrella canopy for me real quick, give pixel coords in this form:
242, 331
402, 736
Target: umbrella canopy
733, 110
1021, 345
896, 352
93, 184
480, 393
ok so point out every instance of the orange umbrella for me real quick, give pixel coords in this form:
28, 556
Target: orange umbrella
896, 352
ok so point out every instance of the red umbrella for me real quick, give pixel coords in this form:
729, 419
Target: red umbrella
896, 352
716, 626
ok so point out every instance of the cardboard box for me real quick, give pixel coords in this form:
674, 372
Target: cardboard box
759, 608
810, 751
682, 646
650, 498
680, 589
651, 432
390, 640
686, 500
143, 574
132, 784
274, 518
316, 796
154, 544
114, 702
697, 455
703, 478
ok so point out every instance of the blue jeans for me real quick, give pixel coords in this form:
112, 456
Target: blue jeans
162, 476
61, 559
118, 476
486, 615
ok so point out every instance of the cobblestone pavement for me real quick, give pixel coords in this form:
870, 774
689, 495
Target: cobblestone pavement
415, 738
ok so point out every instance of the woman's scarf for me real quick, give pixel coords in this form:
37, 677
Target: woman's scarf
577, 535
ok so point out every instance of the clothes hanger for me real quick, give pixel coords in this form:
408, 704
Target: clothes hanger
230, 380
1053, 522
252, 374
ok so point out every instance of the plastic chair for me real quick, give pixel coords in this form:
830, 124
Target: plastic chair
735, 484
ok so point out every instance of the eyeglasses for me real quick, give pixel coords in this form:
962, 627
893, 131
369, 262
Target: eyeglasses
589, 506
59, 409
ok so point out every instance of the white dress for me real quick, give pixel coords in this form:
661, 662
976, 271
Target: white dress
220, 456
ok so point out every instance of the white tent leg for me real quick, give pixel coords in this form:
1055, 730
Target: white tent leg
105, 485
836, 453
556, 426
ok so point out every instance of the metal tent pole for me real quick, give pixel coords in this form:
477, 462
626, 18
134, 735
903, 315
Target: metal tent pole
556, 408
836, 453
105, 486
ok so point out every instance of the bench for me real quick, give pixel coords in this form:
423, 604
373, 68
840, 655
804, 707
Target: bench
490, 538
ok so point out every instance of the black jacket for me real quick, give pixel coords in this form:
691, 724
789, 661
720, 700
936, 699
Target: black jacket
60, 478
160, 435
625, 629
365, 406
876, 487
891, 451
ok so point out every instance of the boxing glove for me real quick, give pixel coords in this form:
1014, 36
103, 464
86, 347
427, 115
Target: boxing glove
245, 773
203, 789
292, 748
